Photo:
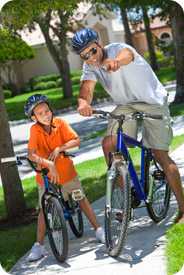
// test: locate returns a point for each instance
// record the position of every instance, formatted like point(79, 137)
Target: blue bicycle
point(57, 211)
point(125, 189)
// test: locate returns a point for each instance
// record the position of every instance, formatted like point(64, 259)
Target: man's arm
point(124, 57)
point(85, 97)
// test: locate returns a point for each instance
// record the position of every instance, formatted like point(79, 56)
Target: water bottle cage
point(158, 175)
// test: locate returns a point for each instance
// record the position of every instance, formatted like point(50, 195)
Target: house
point(109, 31)
point(43, 63)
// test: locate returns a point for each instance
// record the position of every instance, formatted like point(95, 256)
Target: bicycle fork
point(111, 173)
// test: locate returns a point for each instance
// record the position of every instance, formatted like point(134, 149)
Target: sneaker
point(100, 235)
point(36, 253)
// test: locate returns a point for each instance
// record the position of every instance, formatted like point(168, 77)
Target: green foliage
point(43, 78)
point(76, 80)
point(166, 74)
point(18, 13)
point(162, 59)
point(45, 85)
point(7, 93)
point(13, 48)
point(159, 55)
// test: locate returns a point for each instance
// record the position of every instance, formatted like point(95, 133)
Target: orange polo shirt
point(44, 143)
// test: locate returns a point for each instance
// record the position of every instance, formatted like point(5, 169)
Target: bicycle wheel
point(117, 213)
point(75, 219)
point(157, 190)
point(56, 227)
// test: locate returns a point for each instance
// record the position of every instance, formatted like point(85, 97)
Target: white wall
point(43, 63)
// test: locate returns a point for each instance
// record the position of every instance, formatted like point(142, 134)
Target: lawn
point(16, 241)
point(175, 248)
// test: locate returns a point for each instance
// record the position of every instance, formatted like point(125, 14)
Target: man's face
point(92, 55)
point(42, 114)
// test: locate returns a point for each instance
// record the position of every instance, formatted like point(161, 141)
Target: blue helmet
point(83, 38)
point(32, 102)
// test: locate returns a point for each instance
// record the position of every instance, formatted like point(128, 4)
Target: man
point(133, 86)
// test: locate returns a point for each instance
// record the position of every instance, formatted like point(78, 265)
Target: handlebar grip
point(67, 154)
point(154, 116)
point(100, 112)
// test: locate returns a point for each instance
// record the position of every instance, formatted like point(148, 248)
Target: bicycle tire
point(75, 220)
point(157, 190)
point(56, 227)
point(120, 200)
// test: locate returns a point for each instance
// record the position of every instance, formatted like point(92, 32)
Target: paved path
point(143, 253)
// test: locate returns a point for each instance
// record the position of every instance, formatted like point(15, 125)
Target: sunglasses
point(89, 54)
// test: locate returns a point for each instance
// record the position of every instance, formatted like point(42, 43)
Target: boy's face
point(42, 114)
point(92, 55)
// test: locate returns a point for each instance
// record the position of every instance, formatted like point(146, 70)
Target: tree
point(173, 11)
point(177, 23)
point(58, 50)
point(135, 5)
point(12, 188)
point(12, 52)
point(149, 36)
point(128, 35)
point(52, 17)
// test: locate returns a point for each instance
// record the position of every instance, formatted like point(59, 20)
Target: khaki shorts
point(71, 187)
point(156, 134)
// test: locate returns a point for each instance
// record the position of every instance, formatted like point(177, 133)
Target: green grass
point(174, 249)
point(16, 241)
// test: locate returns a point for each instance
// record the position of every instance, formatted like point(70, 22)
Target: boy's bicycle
point(125, 190)
point(56, 211)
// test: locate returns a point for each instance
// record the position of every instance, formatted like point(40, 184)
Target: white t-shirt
point(135, 82)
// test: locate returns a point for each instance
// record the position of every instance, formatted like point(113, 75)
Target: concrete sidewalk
point(143, 253)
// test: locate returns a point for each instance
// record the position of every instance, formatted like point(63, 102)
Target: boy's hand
point(55, 154)
point(54, 176)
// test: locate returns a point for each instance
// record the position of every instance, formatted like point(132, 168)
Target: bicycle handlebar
point(135, 115)
point(18, 160)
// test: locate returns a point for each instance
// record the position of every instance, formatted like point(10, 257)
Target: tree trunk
point(177, 22)
point(128, 35)
point(150, 42)
point(59, 55)
point(12, 188)
point(66, 80)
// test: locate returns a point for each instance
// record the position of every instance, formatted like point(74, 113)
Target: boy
point(48, 137)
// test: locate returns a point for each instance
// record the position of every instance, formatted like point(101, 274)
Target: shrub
point(7, 93)
point(163, 61)
point(42, 78)
point(76, 73)
point(59, 82)
point(45, 85)
point(76, 80)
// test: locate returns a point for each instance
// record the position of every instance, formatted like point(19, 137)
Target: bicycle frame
point(56, 193)
point(122, 140)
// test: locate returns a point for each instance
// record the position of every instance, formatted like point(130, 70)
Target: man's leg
point(173, 177)
point(108, 145)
